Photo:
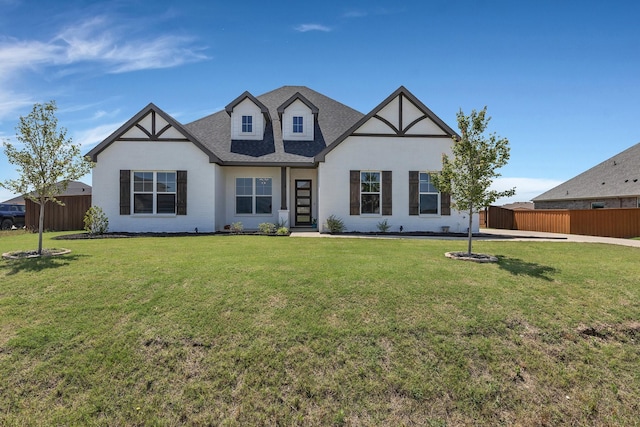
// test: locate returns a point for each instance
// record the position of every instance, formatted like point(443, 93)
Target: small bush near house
point(383, 226)
point(236, 227)
point(282, 231)
point(95, 221)
point(267, 228)
point(335, 224)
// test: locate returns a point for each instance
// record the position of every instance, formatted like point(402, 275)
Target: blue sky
point(561, 79)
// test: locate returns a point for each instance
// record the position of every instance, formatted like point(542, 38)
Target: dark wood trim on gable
point(381, 135)
point(401, 91)
point(134, 121)
point(413, 123)
point(146, 132)
point(388, 123)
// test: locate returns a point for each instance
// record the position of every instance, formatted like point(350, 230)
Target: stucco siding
point(156, 156)
point(297, 108)
point(250, 221)
point(247, 108)
point(398, 155)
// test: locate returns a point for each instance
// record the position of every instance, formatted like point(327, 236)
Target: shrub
point(383, 226)
point(282, 231)
point(236, 227)
point(95, 221)
point(267, 228)
point(335, 224)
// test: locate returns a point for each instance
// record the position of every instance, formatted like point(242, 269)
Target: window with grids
point(370, 192)
point(429, 195)
point(154, 192)
point(254, 195)
point(297, 124)
point(247, 124)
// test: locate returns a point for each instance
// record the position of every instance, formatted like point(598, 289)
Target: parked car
point(11, 215)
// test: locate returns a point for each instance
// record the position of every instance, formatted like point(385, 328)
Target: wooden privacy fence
point(623, 223)
point(59, 218)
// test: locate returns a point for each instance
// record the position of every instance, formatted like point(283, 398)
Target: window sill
point(171, 215)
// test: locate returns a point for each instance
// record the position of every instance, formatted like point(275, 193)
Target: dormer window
point(247, 124)
point(298, 118)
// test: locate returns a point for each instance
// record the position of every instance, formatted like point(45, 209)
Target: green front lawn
point(252, 330)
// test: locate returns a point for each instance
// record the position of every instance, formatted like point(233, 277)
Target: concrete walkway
point(496, 235)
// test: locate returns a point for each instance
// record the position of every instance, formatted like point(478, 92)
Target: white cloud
point(95, 43)
point(89, 138)
point(303, 28)
point(526, 188)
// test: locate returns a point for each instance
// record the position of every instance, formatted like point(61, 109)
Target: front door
point(303, 202)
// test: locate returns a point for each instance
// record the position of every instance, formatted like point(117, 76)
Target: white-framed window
point(429, 196)
point(597, 205)
point(298, 126)
point(247, 124)
point(254, 195)
point(154, 192)
point(370, 192)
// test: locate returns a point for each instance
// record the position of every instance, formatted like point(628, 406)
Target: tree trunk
point(40, 226)
point(470, 232)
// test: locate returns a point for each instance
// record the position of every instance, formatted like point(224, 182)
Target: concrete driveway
point(495, 234)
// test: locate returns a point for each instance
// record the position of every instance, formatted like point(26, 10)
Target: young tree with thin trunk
point(47, 160)
point(468, 175)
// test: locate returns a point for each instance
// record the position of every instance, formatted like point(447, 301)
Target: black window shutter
point(354, 193)
point(125, 192)
point(445, 204)
point(387, 196)
point(414, 194)
point(181, 193)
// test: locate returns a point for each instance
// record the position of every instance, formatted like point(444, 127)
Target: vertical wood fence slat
point(59, 218)
point(615, 222)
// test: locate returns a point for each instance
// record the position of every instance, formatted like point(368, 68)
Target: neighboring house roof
point(333, 119)
point(74, 188)
point(618, 176)
point(519, 206)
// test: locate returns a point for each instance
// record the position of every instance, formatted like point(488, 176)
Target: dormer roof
point(263, 109)
point(297, 96)
point(214, 131)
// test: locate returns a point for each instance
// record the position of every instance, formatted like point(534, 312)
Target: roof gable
point(150, 124)
point(333, 118)
point(401, 114)
point(618, 176)
point(297, 96)
point(246, 95)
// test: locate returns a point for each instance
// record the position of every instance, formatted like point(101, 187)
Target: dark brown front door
point(303, 202)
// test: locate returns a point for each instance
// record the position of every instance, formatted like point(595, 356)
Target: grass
point(251, 330)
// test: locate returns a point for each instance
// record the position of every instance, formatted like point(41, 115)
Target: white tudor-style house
point(290, 155)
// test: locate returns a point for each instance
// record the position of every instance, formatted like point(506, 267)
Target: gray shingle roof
point(618, 176)
point(334, 118)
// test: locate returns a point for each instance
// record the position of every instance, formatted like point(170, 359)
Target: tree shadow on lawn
point(519, 267)
point(16, 266)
